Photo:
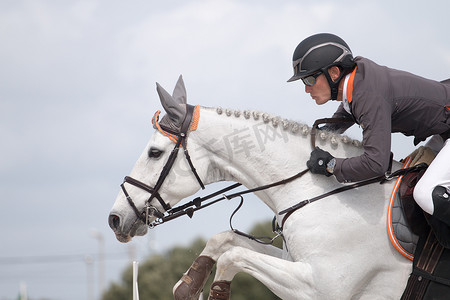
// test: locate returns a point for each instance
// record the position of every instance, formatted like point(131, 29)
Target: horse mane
point(291, 126)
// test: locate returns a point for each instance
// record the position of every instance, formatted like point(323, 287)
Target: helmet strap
point(334, 85)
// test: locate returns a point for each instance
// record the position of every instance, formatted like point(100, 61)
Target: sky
point(77, 93)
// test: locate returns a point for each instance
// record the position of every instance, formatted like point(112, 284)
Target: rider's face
point(320, 91)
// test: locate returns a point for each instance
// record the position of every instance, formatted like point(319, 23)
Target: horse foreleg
point(222, 242)
point(191, 284)
point(286, 279)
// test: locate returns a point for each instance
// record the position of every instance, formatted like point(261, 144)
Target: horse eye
point(154, 153)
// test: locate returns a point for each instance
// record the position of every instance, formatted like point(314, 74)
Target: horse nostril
point(114, 222)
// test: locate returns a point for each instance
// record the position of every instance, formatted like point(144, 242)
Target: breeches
point(438, 173)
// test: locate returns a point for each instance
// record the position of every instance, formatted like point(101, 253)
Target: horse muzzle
point(125, 231)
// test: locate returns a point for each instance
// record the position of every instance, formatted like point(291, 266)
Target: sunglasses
point(311, 79)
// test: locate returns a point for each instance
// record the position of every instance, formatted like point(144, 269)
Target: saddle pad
point(399, 232)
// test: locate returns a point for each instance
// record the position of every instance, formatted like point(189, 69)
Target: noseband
point(180, 139)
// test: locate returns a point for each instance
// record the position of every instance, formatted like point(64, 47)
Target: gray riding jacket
point(382, 101)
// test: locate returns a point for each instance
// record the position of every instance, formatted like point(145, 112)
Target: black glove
point(318, 161)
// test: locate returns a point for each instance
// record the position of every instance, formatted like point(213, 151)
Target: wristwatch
point(330, 165)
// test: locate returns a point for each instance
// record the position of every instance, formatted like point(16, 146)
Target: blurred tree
point(159, 273)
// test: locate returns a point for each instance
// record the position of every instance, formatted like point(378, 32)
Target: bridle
point(180, 139)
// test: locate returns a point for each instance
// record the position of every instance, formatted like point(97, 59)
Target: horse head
point(149, 190)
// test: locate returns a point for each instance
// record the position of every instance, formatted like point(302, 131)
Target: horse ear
point(179, 92)
point(175, 110)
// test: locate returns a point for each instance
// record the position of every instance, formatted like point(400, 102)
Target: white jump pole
point(135, 280)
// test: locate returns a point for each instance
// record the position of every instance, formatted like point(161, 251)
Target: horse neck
point(248, 150)
point(256, 149)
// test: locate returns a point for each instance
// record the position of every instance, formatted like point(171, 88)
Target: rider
point(381, 100)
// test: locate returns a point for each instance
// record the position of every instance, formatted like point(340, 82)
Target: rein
point(381, 179)
point(292, 209)
point(196, 204)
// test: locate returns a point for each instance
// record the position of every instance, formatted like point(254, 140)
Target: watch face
point(330, 165)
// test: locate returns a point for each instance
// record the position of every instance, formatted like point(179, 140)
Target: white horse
point(335, 248)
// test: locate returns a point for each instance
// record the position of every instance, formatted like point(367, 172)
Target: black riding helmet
point(320, 52)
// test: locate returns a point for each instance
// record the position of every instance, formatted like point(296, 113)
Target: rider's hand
point(319, 160)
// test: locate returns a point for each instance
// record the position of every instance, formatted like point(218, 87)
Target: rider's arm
point(373, 113)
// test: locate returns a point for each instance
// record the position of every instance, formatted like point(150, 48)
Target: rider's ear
point(334, 72)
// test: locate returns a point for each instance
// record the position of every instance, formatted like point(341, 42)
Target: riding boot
point(441, 202)
point(440, 220)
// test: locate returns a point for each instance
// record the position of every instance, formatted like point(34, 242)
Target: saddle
point(406, 221)
point(419, 237)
